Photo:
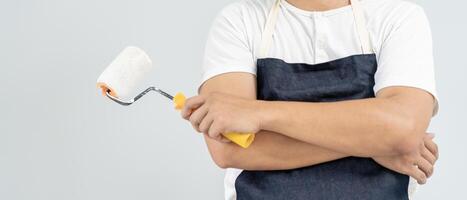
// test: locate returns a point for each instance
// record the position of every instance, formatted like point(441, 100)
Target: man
point(339, 94)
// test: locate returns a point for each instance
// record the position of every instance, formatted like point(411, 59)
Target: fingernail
point(432, 135)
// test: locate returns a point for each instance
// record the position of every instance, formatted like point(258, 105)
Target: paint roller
point(128, 69)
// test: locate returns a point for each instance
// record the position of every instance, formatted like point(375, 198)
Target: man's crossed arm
point(389, 128)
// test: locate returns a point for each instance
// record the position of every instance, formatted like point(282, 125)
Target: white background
point(59, 139)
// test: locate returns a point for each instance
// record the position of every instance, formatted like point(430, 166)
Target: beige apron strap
point(360, 23)
point(266, 37)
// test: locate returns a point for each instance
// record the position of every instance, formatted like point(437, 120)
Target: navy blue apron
point(342, 79)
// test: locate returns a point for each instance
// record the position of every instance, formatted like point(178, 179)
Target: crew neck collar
point(308, 13)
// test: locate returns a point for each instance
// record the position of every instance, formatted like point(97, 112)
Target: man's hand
point(418, 164)
point(220, 113)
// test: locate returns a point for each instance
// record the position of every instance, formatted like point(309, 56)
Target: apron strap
point(266, 37)
point(360, 22)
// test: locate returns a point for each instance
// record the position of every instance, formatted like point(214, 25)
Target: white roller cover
point(125, 72)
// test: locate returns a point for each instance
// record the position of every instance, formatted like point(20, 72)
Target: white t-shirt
point(399, 32)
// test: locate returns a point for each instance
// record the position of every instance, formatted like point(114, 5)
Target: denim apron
point(338, 80)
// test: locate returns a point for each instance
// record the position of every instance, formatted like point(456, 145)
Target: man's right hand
point(418, 164)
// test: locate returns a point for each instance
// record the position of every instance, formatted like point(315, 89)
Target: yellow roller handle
point(242, 139)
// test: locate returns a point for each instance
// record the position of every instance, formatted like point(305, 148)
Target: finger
point(225, 140)
point(418, 174)
point(432, 147)
point(191, 104)
point(206, 123)
point(218, 138)
point(425, 166)
point(197, 117)
point(215, 130)
point(427, 155)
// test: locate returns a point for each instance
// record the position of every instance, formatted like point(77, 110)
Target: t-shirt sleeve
point(227, 48)
point(406, 56)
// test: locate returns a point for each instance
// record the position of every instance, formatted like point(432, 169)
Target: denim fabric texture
point(349, 178)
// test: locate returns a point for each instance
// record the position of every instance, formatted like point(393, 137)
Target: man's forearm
point(270, 151)
point(368, 127)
